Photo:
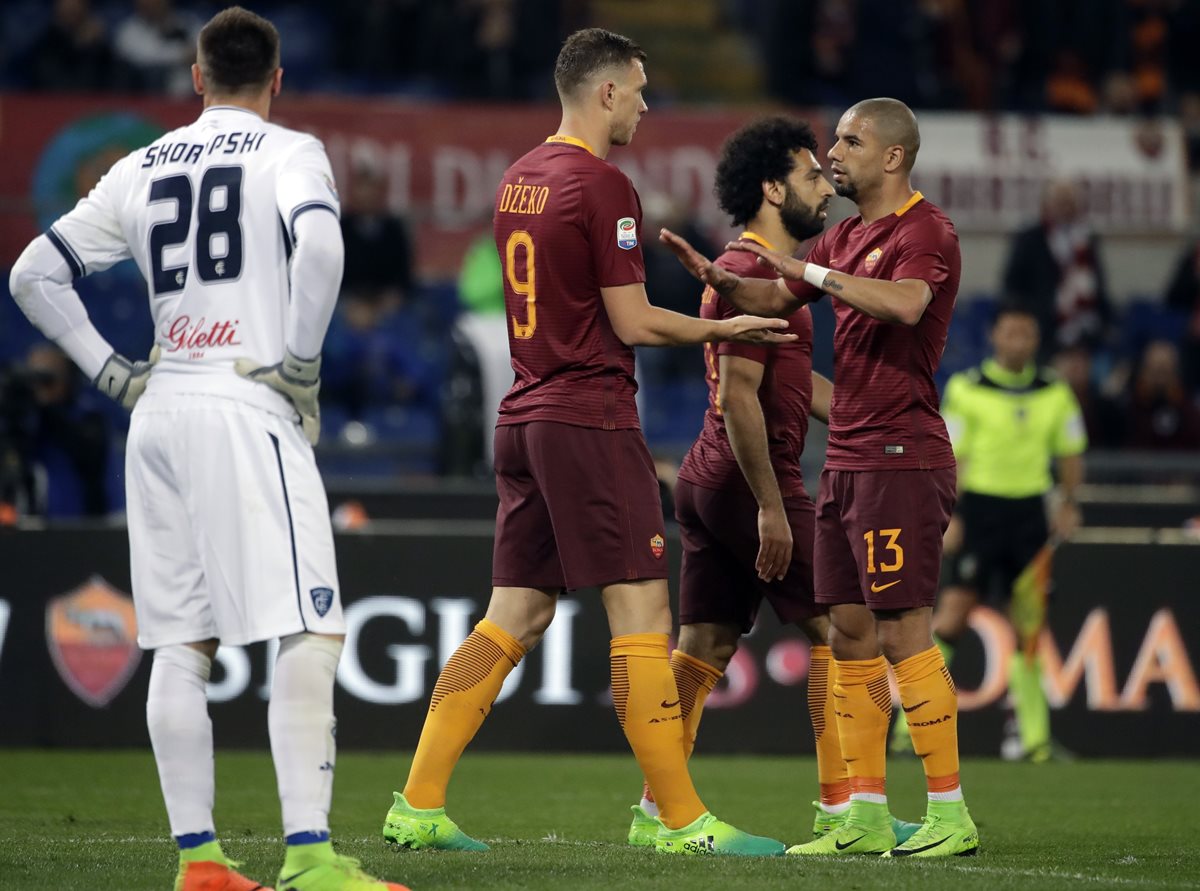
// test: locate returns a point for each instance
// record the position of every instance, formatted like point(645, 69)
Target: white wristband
point(815, 275)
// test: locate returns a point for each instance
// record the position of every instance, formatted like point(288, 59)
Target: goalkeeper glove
point(297, 379)
point(125, 381)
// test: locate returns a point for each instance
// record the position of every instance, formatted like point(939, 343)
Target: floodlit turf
point(94, 820)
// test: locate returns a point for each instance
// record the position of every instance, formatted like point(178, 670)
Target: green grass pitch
point(94, 820)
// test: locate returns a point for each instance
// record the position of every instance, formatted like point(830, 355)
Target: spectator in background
point(69, 439)
point(1054, 270)
point(1183, 295)
point(1160, 416)
point(73, 53)
point(374, 355)
point(378, 274)
point(159, 44)
point(1102, 415)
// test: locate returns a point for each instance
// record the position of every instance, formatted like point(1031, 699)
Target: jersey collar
point(571, 140)
point(910, 204)
point(757, 239)
point(1011, 379)
point(230, 108)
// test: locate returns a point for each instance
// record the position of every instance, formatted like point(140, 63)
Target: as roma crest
point(657, 546)
point(873, 258)
point(92, 636)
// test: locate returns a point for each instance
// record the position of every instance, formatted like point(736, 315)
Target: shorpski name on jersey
point(191, 152)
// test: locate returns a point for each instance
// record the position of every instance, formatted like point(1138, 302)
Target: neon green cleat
point(335, 873)
point(947, 831)
point(825, 822)
point(708, 835)
point(643, 831)
point(418, 828)
point(866, 829)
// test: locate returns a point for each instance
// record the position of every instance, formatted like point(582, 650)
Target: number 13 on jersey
point(526, 287)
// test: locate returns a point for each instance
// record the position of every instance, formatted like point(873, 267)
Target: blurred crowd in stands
point(418, 366)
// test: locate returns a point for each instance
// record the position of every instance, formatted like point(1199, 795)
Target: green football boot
point(418, 828)
point(708, 835)
point(825, 822)
point(327, 871)
point(643, 831)
point(866, 829)
point(946, 831)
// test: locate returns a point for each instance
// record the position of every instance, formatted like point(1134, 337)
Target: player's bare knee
point(710, 643)
point(816, 629)
point(904, 633)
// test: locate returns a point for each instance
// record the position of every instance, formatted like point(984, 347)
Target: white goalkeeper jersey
point(208, 213)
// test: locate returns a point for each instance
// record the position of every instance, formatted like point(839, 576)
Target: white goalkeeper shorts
point(229, 532)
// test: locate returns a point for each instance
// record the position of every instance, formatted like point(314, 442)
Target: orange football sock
point(931, 705)
point(694, 679)
point(863, 705)
point(647, 704)
point(462, 698)
point(831, 766)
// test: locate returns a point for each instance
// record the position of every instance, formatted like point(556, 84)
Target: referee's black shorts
point(1000, 537)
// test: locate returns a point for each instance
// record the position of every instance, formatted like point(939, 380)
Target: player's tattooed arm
point(902, 302)
point(757, 296)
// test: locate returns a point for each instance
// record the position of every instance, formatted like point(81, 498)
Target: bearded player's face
point(628, 105)
point(806, 198)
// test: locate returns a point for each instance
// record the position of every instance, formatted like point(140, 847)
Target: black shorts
point(1000, 537)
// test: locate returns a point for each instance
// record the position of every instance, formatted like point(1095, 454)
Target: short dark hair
point(588, 51)
point(1011, 306)
point(760, 151)
point(239, 51)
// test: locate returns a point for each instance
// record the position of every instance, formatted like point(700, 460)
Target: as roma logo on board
point(92, 636)
point(657, 547)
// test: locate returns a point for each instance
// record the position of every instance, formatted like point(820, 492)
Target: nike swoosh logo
point(842, 847)
point(876, 587)
point(283, 883)
point(915, 707)
point(665, 704)
point(926, 847)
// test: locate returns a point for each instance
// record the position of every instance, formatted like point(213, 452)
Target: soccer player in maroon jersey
point(579, 502)
point(746, 520)
point(889, 480)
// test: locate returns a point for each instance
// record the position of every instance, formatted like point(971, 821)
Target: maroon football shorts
point(879, 536)
point(579, 507)
point(718, 529)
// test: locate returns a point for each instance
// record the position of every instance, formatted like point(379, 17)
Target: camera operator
point(60, 435)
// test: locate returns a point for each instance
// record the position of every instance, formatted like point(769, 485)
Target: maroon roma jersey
point(884, 414)
point(567, 224)
point(785, 392)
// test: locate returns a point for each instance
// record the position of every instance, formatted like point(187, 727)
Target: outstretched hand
point(788, 267)
point(756, 329)
point(720, 280)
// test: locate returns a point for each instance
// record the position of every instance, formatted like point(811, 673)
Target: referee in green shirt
point(1009, 421)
